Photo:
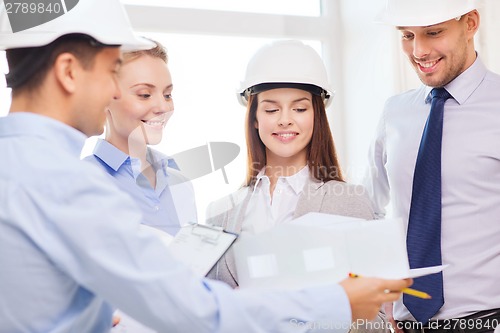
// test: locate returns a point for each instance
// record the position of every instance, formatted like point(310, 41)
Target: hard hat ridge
point(287, 63)
point(105, 21)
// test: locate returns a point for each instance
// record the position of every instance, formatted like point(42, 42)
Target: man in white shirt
point(437, 36)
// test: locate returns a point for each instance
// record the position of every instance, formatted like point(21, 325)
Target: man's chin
point(96, 132)
point(430, 81)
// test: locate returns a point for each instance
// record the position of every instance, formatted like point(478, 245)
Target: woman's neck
point(133, 148)
point(136, 149)
point(147, 169)
point(278, 167)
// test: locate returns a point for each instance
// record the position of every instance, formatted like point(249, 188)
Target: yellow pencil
point(409, 291)
point(416, 293)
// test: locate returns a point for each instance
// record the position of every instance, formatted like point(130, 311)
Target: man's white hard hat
point(103, 20)
point(282, 63)
point(420, 13)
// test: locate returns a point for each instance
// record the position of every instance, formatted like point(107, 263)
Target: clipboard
point(200, 246)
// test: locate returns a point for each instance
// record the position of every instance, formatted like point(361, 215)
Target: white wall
point(370, 75)
point(488, 41)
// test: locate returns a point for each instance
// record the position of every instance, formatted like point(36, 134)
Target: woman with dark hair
point(292, 163)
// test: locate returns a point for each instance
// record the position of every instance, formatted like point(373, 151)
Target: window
point(4, 92)
point(280, 7)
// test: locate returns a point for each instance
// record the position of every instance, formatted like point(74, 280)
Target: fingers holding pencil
point(366, 295)
point(394, 288)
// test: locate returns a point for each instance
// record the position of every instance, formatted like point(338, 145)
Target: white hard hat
point(103, 20)
point(282, 63)
point(411, 13)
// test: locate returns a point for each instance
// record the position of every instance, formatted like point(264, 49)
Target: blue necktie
point(423, 239)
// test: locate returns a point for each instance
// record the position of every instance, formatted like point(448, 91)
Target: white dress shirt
point(263, 211)
point(470, 241)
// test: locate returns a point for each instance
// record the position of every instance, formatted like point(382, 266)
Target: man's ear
point(67, 69)
point(472, 19)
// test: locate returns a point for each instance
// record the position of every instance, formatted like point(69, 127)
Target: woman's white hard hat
point(283, 62)
point(420, 13)
point(103, 20)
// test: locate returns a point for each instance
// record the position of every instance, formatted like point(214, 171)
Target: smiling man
point(436, 158)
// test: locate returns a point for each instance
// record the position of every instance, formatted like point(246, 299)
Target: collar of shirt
point(462, 87)
point(262, 212)
point(115, 158)
point(46, 128)
point(296, 181)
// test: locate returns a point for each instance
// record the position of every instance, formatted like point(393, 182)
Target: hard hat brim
point(420, 16)
point(40, 38)
point(327, 95)
point(88, 17)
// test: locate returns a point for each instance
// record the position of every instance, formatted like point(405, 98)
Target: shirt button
point(156, 208)
point(279, 191)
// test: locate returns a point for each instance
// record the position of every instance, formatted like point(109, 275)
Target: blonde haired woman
point(134, 121)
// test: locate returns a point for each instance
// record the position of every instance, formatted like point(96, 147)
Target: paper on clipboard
point(196, 245)
point(200, 246)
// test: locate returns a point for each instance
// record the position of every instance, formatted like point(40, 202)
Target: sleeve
point(337, 198)
point(362, 206)
point(221, 212)
point(218, 214)
point(376, 181)
point(215, 216)
point(90, 231)
point(215, 220)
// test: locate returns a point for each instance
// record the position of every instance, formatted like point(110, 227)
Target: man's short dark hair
point(28, 67)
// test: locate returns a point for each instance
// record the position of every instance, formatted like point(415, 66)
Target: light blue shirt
point(168, 206)
point(470, 162)
point(70, 246)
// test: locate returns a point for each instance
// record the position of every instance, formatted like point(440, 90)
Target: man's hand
point(367, 295)
point(116, 320)
point(388, 309)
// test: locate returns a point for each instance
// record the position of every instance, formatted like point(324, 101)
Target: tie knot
point(440, 93)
